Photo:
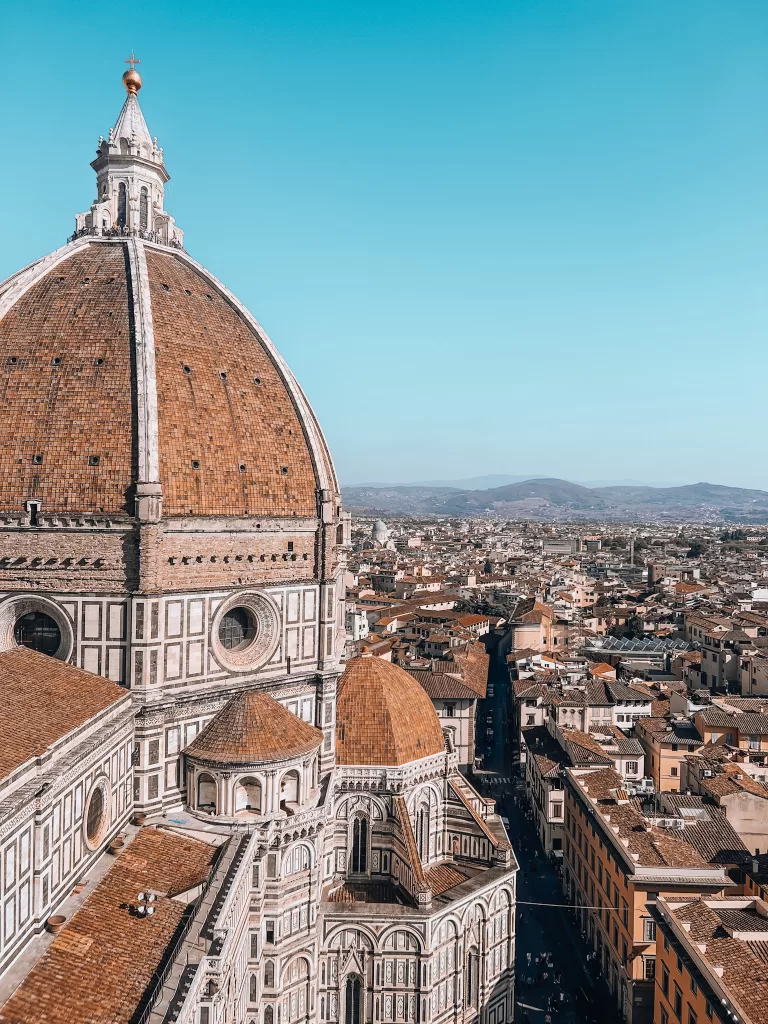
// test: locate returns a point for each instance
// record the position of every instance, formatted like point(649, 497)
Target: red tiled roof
point(42, 700)
point(98, 968)
point(254, 727)
point(383, 716)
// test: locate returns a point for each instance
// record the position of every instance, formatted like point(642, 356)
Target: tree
point(632, 629)
point(696, 549)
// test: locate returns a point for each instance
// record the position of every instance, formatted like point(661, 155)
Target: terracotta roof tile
point(383, 716)
point(442, 877)
point(251, 728)
point(68, 411)
point(98, 968)
point(743, 968)
point(221, 421)
point(42, 700)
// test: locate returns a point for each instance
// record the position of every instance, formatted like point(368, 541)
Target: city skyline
point(489, 227)
point(482, 750)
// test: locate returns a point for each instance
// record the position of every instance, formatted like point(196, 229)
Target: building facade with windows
point(619, 857)
point(711, 961)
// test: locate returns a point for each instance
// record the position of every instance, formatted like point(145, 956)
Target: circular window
point(245, 631)
point(39, 632)
point(36, 623)
point(96, 814)
point(237, 629)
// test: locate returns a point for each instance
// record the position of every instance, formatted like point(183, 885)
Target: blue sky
point(520, 237)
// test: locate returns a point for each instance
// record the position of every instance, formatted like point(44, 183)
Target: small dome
point(383, 716)
point(379, 525)
point(251, 729)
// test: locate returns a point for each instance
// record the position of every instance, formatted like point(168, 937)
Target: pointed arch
point(360, 844)
point(122, 205)
point(353, 999)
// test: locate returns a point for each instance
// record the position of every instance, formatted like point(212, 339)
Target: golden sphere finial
point(132, 78)
point(132, 81)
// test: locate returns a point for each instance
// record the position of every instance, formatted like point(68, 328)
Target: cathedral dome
point(253, 728)
point(129, 369)
point(383, 716)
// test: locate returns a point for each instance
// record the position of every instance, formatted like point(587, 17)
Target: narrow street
point(544, 925)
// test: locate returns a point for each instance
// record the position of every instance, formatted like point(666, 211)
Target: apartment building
point(738, 789)
point(619, 859)
point(545, 761)
point(666, 741)
point(745, 730)
point(721, 657)
point(754, 674)
point(711, 960)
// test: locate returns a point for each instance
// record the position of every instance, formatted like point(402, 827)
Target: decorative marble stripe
point(146, 382)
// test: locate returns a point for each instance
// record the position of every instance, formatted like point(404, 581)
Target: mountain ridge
point(550, 498)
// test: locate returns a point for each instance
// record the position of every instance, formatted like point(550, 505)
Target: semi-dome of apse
point(383, 716)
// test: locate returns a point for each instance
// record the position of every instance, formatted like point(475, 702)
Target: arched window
point(269, 1015)
point(289, 789)
point(248, 796)
point(206, 793)
point(297, 860)
point(143, 210)
point(269, 974)
point(360, 846)
point(122, 205)
point(422, 833)
point(352, 994)
point(473, 977)
point(253, 993)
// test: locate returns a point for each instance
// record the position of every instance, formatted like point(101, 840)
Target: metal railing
point(158, 979)
point(124, 232)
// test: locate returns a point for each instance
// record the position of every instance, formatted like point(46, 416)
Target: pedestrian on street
point(528, 957)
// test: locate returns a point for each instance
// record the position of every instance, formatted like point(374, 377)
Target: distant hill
point(477, 483)
point(552, 499)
